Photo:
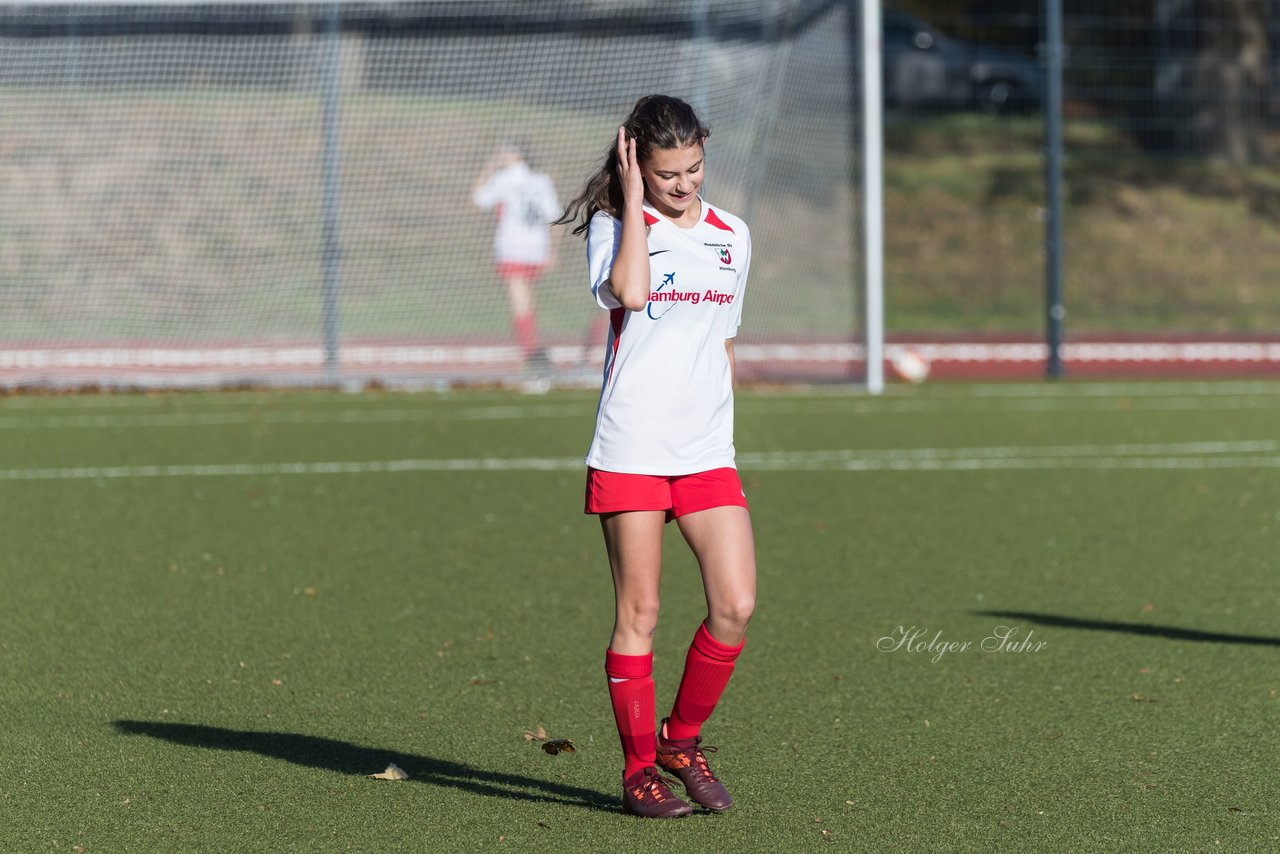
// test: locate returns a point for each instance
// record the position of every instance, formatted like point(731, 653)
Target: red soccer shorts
point(679, 495)
point(508, 270)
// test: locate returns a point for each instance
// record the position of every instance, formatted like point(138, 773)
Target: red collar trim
point(712, 219)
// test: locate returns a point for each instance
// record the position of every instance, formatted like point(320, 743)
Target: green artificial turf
point(213, 659)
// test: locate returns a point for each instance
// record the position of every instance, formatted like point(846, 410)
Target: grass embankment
point(1150, 244)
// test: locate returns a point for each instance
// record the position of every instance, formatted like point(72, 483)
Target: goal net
point(283, 193)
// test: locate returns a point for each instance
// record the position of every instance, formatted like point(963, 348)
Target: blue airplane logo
point(668, 279)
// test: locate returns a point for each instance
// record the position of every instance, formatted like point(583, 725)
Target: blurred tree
point(1182, 76)
point(1229, 80)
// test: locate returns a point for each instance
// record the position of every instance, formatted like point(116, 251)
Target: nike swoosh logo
point(658, 252)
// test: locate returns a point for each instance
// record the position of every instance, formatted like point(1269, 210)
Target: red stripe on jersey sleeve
point(649, 219)
point(616, 316)
point(712, 219)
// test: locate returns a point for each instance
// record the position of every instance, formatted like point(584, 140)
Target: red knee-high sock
point(631, 691)
point(707, 669)
point(526, 327)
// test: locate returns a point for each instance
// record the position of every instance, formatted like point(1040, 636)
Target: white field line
point(1123, 389)
point(29, 419)
point(1056, 392)
point(1028, 464)
point(1184, 455)
point(1006, 452)
point(891, 405)
point(335, 416)
point(266, 469)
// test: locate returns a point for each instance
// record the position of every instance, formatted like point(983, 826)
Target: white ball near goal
point(909, 365)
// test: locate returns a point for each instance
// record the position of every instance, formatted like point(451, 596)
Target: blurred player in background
point(525, 202)
point(671, 269)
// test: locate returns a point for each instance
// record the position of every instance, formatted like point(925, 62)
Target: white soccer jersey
point(666, 404)
point(526, 204)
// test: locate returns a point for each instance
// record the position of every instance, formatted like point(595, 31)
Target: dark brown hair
point(656, 122)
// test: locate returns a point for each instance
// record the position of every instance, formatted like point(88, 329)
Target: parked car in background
point(925, 69)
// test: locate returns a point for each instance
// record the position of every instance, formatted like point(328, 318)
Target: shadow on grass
point(1171, 632)
point(347, 758)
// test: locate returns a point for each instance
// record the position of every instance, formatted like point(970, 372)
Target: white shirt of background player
point(526, 203)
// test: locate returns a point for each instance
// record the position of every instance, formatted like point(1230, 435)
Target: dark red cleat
point(646, 794)
point(688, 761)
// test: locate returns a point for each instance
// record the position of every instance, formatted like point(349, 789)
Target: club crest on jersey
point(725, 257)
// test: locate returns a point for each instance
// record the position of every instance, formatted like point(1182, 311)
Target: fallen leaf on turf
point(393, 772)
point(558, 745)
point(553, 746)
point(1138, 698)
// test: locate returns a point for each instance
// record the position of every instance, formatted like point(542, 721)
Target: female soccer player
point(671, 269)
point(525, 201)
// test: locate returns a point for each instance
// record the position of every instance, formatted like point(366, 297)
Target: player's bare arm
point(629, 280)
point(733, 362)
point(495, 163)
point(485, 174)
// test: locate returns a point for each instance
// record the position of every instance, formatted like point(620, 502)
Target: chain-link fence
point(1172, 195)
point(282, 192)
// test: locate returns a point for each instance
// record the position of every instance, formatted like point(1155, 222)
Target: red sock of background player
point(707, 669)
point(631, 692)
point(526, 327)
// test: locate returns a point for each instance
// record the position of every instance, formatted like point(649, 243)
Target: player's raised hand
point(629, 168)
point(629, 278)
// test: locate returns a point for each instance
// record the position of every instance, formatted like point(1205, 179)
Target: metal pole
point(777, 75)
point(73, 34)
point(872, 191)
point(331, 238)
point(1055, 311)
point(701, 43)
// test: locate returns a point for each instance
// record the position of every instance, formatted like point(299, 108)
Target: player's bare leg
point(634, 543)
point(520, 295)
point(721, 539)
point(523, 319)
